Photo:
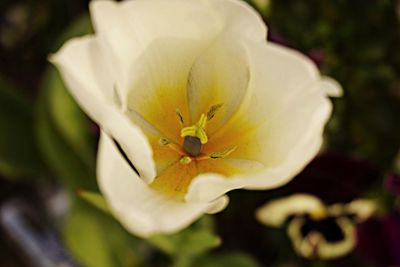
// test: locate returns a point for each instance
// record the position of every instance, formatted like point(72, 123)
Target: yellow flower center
point(192, 156)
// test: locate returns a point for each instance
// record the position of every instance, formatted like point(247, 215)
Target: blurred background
point(48, 147)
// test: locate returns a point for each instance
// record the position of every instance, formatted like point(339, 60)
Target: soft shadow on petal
point(219, 76)
point(158, 85)
point(126, 29)
point(240, 19)
point(141, 209)
point(80, 66)
point(280, 125)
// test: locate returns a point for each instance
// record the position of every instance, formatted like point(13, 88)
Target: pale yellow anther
point(180, 117)
point(163, 141)
point(222, 154)
point(167, 143)
point(197, 130)
point(185, 160)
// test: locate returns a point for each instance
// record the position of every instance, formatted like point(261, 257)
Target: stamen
point(163, 141)
point(171, 145)
point(185, 160)
point(222, 154)
point(212, 111)
point(197, 130)
point(217, 155)
point(180, 117)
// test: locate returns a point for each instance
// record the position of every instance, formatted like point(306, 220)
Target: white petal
point(158, 83)
point(219, 205)
point(276, 212)
point(127, 28)
point(286, 109)
point(142, 210)
point(240, 19)
point(80, 65)
point(332, 87)
point(278, 76)
point(207, 187)
point(220, 75)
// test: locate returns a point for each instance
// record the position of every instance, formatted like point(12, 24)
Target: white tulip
point(197, 100)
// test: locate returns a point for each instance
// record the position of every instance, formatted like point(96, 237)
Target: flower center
point(194, 138)
point(179, 161)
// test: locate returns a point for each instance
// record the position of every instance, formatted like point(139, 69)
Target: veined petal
point(276, 212)
point(142, 210)
point(279, 123)
point(86, 85)
point(126, 29)
point(240, 20)
point(219, 76)
point(157, 89)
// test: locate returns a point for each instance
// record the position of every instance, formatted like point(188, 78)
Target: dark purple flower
point(335, 178)
point(317, 56)
point(379, 240)
point(392, 183)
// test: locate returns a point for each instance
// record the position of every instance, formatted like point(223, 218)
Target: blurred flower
point(392, 183)
point(379, 240)
point(191, 102)
point(335, 177)
point(315, 229)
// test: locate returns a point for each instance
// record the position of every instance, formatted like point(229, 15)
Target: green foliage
point(231, 259)
point(62, 128)
point(184, 247)
point(358, 45)
point(96, 200)
point(68, 147)
point(58, 153)
point(19, 155)
point(99, 241)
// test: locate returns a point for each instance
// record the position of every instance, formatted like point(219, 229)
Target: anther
point(211, 112)
point(185, 160)
point(167, 143)
point(163, 141)
point(180, 117)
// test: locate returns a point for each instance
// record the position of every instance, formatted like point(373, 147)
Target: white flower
point(315, 229)
point(190, 93)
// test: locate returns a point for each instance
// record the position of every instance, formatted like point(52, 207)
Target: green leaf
point(96, 240)
point(72, 123)
point(19, 155)
point(231, 259)
point(63, 131)
point(96, 200)
point(189, 243)
point(74, 173)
